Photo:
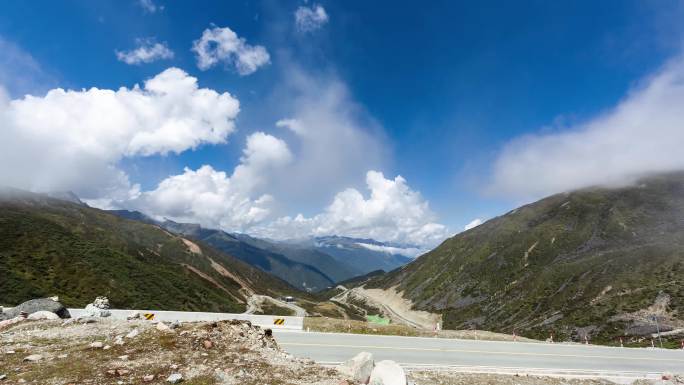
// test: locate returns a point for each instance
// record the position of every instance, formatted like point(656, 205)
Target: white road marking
point(482, 351)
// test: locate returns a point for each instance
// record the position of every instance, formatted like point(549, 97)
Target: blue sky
point(437, 91)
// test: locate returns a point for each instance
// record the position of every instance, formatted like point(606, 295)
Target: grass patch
point(273, 309)
point(333, 325)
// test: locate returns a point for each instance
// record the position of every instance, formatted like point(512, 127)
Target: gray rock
point(99, 308)
point(162, 327)
point(358, 368)
point(134, 315)
point(97, 345)
point(94, 311)
point(35, 305)
point(387, 373)
point(42, 314)
point(133, 333)
point(2, 376)
point(101, 303)
point(33, 358)
point(175, 378)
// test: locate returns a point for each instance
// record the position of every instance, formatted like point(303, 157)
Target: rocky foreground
point(105, 351)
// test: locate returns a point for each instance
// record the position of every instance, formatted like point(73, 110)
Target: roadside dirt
point(396, 307)
point(255, 301)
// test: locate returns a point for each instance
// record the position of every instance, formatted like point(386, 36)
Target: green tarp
point(376, 319)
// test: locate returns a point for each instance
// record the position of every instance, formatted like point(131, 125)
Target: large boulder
point(36, 305)
point(358, 368)
point(387, 373)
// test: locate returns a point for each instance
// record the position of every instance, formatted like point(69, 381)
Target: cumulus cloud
point(642, 134)
point(214, 199)
point(392, 212)
point(292, 124)
point(73, 140)
point(474, 223)
point(147, 51)
point(222, 45)
point(311, 18)
point(150, 7)
point(334, 140)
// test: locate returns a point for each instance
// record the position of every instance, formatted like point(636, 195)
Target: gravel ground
point(127, 352)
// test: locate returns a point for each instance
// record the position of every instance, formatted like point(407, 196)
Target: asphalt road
point(535, 357)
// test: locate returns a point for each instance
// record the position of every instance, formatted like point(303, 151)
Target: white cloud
point(147, 51)
point(292, 124)
point(216, 200)
point(405, 251)
point(150, 6)
point(392, 212)
point(334, 140)
point(474, 223)
point(311, 18)
point(642, 134)
point(73, 140)
point(222, 45)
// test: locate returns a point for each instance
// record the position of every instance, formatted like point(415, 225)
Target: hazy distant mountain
point(365, 255)
point(335, 269)
point(311, 264)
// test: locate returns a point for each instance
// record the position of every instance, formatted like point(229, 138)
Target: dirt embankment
point(256, 301)
point(393, 305)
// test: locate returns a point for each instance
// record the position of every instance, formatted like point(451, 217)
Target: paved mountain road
point(526, 357)
point(255, 301)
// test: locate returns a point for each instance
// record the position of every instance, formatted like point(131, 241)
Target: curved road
point(255, 300)
point(540, 358)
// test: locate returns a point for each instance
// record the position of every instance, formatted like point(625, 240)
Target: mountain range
point(309, 264)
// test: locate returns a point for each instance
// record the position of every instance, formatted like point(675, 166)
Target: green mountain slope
point(55, 247)
point(596, 262)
